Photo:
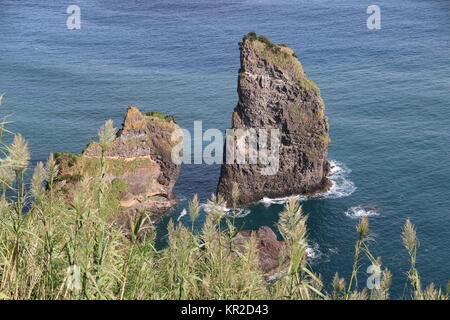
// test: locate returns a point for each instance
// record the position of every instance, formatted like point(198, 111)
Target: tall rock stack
point(275, 93)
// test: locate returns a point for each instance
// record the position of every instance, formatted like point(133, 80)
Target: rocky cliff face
point(274, 93)
point(138, 165)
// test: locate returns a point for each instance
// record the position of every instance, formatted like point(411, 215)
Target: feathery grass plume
point(208, 234)
point(139, 270)
point(3, 123)
point(52, 169)
point(411, 243)
point(386, 283)
point(359, 295)
point(4, 207)
point(291, 220)
point(363, 227)
point(194, 209)
point(82, 201)
point(338, 286)
point(7, 177)
point(3, 130)
point(250, 273)
point(18, 157)
point(216, 208)
point(431, 293)
point(106, 135)
point(409, 237)
point(382, 292)
point(182, 259)
point(360, 246)
point(227, 271)
point(235, 193)
point(301, 283)
point(39, 176)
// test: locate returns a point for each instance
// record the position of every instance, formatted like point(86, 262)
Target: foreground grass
point(60, 248)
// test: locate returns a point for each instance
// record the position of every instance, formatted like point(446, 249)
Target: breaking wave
point(341, 186)
point(312, 251)
point(361, 211)
point(182, 214)
point(269, 201)
point(237, 213)
point(231, 213)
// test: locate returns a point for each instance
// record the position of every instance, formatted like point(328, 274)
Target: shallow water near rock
point(386, 93)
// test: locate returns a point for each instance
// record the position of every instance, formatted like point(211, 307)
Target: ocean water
point(386, 91)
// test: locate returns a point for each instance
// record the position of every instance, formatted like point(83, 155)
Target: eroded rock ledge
point(138, 165)
point(275, 93)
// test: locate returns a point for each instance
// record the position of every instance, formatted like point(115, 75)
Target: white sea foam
point(341, 186)
point(209, 207)
point(182, 214)
point(231, 213)
point(237, 213)
point(312, 251)
point(269, 201)
point(361, 211)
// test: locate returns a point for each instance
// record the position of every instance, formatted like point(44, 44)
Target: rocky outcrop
point(271, 253)
point(275, 93)
point(138, 165)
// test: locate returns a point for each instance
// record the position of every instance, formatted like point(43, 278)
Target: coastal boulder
point(270, 250)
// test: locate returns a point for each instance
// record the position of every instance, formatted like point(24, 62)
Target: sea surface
point(387, 94)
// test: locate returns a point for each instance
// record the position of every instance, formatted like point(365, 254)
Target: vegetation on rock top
point(160, 115)
point(282, 57)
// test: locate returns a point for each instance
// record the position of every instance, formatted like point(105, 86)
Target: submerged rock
point(138, 165)
point(275, 93)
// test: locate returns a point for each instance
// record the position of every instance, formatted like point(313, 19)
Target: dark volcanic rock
point(270, 250)
point(138, 165)
point(274, 93)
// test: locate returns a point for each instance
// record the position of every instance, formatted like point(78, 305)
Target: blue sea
point(387, 94)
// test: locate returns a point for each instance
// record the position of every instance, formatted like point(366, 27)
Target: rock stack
point(275, 93)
